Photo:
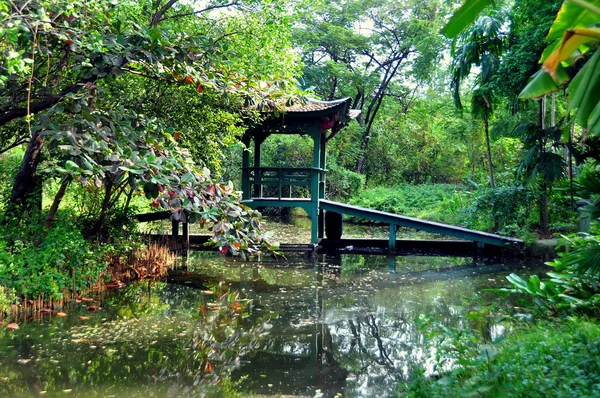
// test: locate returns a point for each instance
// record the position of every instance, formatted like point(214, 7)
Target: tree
point(68, 65)
point(480, 45)
point(56, 49)
point(368, 51)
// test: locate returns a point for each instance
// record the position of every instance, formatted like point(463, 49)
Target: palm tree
point(481, 45)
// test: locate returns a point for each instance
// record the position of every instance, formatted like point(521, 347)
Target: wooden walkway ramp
point(395, 221)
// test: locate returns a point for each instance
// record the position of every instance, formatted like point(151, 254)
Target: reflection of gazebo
point(321, 120)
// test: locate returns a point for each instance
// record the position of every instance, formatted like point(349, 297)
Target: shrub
point(546, 360)
point(343, 183)
point(38, 263)
point(436, 202)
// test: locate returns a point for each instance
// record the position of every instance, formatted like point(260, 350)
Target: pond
point(336, 325)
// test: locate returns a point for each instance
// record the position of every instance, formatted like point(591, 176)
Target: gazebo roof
point(312, 108)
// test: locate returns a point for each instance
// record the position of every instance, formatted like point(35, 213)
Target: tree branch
point(37, 107)
point(187, 14)
point(14, 145)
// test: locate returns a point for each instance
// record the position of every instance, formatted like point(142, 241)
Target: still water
point(336, 325)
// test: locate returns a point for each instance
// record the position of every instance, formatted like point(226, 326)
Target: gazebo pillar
point(257, 160)
point(315, 187)
point(322, 166)
point(245, 165)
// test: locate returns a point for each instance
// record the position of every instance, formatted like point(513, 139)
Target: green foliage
point(504, 209)
point(464, 16)
point(549, 359)
point(39, 263)
point(9, 164)
point(435, 202)
point(531, 20)
point(582, 255)
point(342, 183)
point(6, 299)
point(573, 33)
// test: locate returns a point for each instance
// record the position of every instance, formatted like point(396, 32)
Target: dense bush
point(45, 263)
point(503, 209)
point(342, 183)
point(9, 164)
point(546, 360)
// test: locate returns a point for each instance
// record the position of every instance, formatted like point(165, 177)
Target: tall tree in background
point(480, 45)
point(368, 50)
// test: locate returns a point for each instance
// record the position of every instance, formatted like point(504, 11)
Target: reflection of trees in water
point(152, 342)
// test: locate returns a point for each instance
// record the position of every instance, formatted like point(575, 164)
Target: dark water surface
point(345, 325)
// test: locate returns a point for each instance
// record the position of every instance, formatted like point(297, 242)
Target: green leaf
point(585, 94)
point(187, 177)
point(541, 83)
point(594, 121)
point(71, 165)
point(464, 16)
point(571, 16)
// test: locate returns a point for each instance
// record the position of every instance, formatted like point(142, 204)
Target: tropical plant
point(480, 45)
point(542, 163)
point(573, 34)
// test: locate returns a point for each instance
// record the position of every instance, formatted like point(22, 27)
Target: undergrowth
point(548, 359)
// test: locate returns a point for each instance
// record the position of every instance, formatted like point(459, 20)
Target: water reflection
point(346, 324)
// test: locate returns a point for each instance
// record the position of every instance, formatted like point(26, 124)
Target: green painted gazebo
point(321, 120)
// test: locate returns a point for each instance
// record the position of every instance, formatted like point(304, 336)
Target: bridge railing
point(273, 182)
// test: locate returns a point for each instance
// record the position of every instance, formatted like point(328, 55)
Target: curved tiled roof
point(316, 106)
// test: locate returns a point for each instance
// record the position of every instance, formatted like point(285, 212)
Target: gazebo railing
point(282, 177)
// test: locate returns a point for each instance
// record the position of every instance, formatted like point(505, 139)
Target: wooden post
point(257, 160)
point(185, 232)
point(392, 241)
point(245, 165)
point(314, 186)
point(174, 230)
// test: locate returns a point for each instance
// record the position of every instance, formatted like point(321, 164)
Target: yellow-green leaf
point(572, 40)
point(572, 16)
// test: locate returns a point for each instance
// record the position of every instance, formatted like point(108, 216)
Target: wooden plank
point(422, 225)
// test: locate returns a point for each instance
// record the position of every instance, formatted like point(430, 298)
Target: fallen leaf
point(12, 326)
point(84, 318)
point(61, 314)
point(45, 311)
point(93, 308)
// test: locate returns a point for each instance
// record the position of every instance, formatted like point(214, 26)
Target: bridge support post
point(392, 241)
point(174, 230)
point(185, 232)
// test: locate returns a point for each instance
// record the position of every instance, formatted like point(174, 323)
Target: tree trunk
point(57, 199)
point(544, 216)
point(26, 192)
point(105, 205)
point(489, 148)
